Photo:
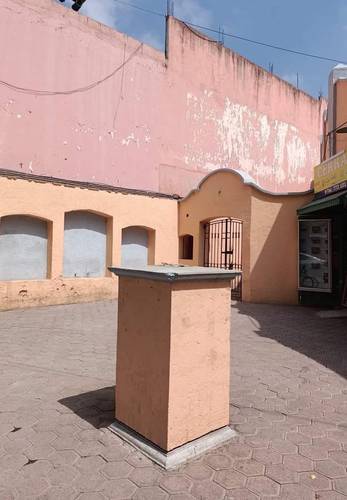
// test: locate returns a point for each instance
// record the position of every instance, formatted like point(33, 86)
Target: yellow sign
point(331, 175)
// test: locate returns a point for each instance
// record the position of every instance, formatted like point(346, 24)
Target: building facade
point(100, 135)
point(81, 101)
point(323, 222)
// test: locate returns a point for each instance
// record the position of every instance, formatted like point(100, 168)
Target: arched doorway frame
point(222, 248)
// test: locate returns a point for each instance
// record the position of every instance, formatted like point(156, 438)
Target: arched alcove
point(23, 248)
point(137, 246)
point(85, 245)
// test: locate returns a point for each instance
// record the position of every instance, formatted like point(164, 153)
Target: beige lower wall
point(269, 247)
point(51, 201)
point(32, 293)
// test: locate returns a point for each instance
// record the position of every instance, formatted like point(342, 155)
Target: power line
point(237, 37)
point(256, 42)
point(24, 90)
point(142, 9)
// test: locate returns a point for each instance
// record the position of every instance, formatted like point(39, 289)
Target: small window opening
point(186, 247)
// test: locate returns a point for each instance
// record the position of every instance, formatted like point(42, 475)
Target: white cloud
point(104, 11)
point(192, 11)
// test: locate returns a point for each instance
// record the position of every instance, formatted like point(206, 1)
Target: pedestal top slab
point(168, 272)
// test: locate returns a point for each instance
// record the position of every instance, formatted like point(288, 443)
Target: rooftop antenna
point(220, 35)
point(170, 8)
point(297, 80)
point(271, 68)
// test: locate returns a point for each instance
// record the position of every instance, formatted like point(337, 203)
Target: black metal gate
point(223, 249)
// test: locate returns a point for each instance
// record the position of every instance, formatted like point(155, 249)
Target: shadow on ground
point(321, 339)
point(96, 407)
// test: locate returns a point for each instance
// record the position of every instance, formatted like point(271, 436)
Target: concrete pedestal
point(173, 360)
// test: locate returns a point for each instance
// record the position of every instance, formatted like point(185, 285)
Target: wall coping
point(14, 174)
point(247, 181)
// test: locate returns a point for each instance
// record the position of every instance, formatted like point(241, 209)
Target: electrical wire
point(256, 42)
point(24, 90)
point(237, 37)
point(142, 9)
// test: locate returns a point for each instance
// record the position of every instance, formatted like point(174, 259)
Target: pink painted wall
point(160, 124)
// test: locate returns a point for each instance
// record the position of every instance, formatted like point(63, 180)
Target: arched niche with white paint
point(137, 246)
point(23, 248)
point(85, 245)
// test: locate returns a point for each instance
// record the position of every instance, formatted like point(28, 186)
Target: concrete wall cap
point(168, 272)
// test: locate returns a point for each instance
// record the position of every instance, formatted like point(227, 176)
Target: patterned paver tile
point(297, 463)
point(119, 488)
point(313, 452)
point(145, 476)
point(175, 483)
point(281, 474)
point(241, 494)
point(329, 468)
point(267, 456)
point(63, 475)
point(339, 456)
point(114, 453)
point(219, 461)
point(117, 470)
point(314, 480)
point(327, 443)
point(238, 450)
point(89, 482)
point(59, 493)
point(90, 464)
point(263, 486)
point(207, 490)
point(198, 471)
point(288, 402)
point(31, 487)
point(249, 467)
point(230, 479)
point(296, 492)
point(150, 493)
point(341, 485)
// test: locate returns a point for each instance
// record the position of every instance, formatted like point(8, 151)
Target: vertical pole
point(226, 244)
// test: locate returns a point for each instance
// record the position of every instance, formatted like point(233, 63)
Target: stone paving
point(289, 406)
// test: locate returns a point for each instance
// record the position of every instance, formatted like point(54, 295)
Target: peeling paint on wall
point(204, 107)
point(240, 137)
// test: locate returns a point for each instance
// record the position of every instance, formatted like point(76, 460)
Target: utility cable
point(256, 42)
point(24, 90)
point(142, 9)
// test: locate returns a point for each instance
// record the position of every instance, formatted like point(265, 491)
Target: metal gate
point(223, 249)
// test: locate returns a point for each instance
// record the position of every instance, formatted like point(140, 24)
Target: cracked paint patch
point(272, 151)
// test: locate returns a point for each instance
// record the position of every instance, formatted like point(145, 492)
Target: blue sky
point(315, 26)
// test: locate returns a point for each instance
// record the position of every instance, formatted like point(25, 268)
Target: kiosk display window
point(314, 255)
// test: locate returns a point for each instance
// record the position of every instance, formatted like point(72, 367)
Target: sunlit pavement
point(289, 406)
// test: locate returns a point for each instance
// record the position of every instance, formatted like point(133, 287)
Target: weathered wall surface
point(269, 245)
point(50, 202)
point(340, 112)
point(154, 124)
